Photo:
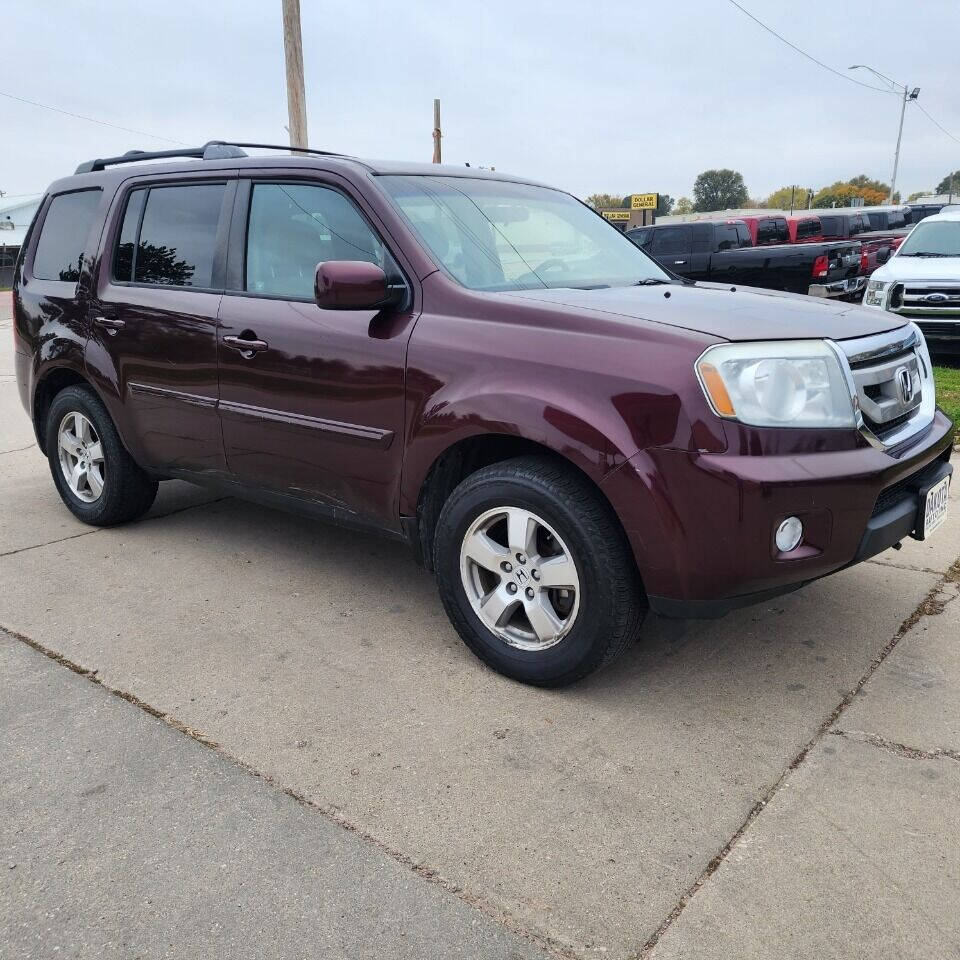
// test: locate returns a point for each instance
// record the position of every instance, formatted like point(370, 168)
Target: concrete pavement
point(603, 820)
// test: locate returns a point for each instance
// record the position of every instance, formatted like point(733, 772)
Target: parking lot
point(225, 725)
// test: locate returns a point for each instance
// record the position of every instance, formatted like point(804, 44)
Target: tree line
point(726, 190)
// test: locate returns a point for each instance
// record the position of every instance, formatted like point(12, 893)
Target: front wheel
point(535, 572)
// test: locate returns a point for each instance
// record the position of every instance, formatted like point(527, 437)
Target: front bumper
point(702, 526)
point(849, 287)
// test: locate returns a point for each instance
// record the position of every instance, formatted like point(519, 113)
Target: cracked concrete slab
point(121, 837)
point(915, 699)
point(857, 856)
point(323, 658)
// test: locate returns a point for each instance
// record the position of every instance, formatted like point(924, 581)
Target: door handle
point(247, 347)
point(112, 324)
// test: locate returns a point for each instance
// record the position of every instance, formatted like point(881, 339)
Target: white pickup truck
point(922, 281)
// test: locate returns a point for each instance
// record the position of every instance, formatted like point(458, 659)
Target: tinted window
point(702, 237)
point(178, 238)
point(808, 228)
point(670, 240)
point(64, 235)
point(831, 226)
point(725, 237)
point(743, 232)
point(766, 232)
point(293, 227)
point(859, 224)
point(782, 231)
point(641, 237)
point(896, 220)
point(123, 258)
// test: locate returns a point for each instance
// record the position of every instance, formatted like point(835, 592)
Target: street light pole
point(907, 94)
point(293, 56)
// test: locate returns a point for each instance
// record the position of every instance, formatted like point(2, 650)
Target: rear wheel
point(535, 572)
point(94, 475)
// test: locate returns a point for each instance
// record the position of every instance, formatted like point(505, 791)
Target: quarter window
point(63, 237)
point(293, 227)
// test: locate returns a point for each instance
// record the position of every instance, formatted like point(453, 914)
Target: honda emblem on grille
point(904, 384)
point(936, 297)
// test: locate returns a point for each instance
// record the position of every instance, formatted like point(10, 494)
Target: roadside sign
point(616, 214)
point(644, 201)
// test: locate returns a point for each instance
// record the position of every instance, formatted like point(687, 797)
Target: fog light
point(789, 534)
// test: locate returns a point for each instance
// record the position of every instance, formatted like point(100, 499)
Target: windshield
point(497, 235)
point(933, 239)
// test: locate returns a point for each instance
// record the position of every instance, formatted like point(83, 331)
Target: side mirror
point(352, 285)
point(883, 255)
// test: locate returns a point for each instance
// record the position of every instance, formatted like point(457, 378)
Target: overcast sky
point(604, 96)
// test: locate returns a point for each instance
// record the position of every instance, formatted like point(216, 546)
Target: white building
point(15, 217)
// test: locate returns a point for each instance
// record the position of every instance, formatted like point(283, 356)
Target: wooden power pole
point(293, 54)
point(436, 131)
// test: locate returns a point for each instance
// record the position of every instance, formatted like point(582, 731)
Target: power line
point(937, 125)
point(804, 53)
point(80, 116)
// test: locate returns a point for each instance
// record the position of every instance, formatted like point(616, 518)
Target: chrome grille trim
point(930, 298)
point(875, 363)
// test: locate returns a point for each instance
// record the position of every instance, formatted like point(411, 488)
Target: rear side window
point(726, 237)
point(830, 226)
point(743, 232)
point(669, 240)
point(766, 232)
point(293, 227)
point(782, 230)
point(64, 234)
point(808, 228)
point(169, 236)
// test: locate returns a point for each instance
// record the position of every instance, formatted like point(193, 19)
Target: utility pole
point(436, 131)
point(907, 94)
point(293, 55)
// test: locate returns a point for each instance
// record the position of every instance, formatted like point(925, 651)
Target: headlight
point(796, 383)
point(876, 295)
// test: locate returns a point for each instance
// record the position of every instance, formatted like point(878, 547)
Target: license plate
point(935, 506)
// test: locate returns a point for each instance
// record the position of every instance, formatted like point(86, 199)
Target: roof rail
point(211, 150)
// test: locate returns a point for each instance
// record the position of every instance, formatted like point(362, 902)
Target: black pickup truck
point(723, 252)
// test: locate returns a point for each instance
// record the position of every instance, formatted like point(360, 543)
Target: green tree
point(719, 190)
point(949, 184)
point(919, 193)
point(780, 199)
point(683, 205)
point(664, 205)
point(605, 201)
point(843, 192)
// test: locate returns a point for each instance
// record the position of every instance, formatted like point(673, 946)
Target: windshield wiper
point(927, 253)
point(650, 282)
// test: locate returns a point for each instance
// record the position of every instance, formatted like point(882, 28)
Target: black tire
point(127, 491)
point(612, 604)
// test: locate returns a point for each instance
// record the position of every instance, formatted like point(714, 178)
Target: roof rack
point(212, 150)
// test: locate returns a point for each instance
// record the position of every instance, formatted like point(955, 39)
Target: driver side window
point(292, 227)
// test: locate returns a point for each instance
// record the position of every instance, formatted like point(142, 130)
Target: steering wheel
point(554, 263)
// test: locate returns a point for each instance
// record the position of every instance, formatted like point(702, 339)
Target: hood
point(743, 313)
point(919, 268)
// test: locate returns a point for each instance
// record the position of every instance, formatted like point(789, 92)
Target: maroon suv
point(564, 432)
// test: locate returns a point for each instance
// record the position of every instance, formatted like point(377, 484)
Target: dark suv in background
point(480, 366)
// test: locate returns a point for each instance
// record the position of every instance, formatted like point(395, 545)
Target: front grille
point(908, 486)
point(889, 378)
point(931, 299)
